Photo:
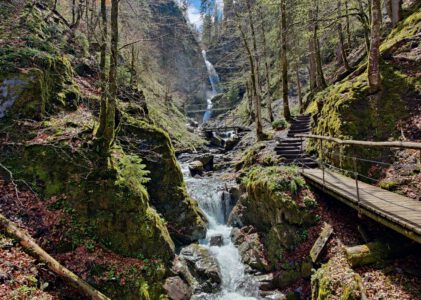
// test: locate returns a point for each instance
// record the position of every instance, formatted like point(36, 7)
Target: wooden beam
point(392, 144)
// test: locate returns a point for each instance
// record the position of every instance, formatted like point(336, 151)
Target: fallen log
point(368, 253)
point(29, 245)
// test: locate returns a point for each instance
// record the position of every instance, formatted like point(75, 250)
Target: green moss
point(346, 110)
point(167, 189)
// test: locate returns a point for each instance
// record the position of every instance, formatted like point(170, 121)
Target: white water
point(236, 284)
point(214, 81)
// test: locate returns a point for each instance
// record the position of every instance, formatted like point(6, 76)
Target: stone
point(196, 168)
point(251, 249)
point(273, 295)
point(231, 142)
point(207, 160)
point(216, 141)
point(265, 281)
point(203, 267)
point(216, 240)
point(177, 289)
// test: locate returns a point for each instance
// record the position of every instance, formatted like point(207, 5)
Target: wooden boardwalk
point(392, 210)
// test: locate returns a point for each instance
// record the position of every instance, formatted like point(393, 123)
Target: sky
point(193, 12)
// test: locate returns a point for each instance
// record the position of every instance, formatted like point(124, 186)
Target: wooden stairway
point(290, 148)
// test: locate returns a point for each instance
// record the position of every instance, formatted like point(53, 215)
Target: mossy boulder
point(167, 190)
point(272, 197)
point(336, 280)
point(35, 76)
point(32, 93)
point(111, 206)
point(278, 203)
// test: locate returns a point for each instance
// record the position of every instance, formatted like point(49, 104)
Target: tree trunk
point(29, 245)
point(300, 96)
point(255, 52)
point(374, 78)
point(365, 23)
point(394, 10)
point(102, 66)
point(341, 38)
point(250, 100)
point(266, 54)
point(348, 27)
point(312, 54)
point(111, 109)
point(320, 79)
point(284, 62)
point(255, 94)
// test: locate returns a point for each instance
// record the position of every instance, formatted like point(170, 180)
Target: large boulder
point(32, 93)
point(185, 220)
point(203, 267)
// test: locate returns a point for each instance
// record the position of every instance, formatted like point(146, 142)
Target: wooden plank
point(321, 241)
point(405, 213)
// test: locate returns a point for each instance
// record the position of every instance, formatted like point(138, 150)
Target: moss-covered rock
point(273, 195)
point(336, 280)
point(113, 207)
point(36, 77)
point(278, 203)
point(167, 190)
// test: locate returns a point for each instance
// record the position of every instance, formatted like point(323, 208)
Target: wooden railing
point(391, 144)
point(354, 173)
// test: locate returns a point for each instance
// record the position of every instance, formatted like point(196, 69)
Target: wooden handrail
point(393, 144)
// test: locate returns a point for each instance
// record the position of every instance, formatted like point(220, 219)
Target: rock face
point(270, 204)
point(177, 289)
point(250, 247)
point(168, 194)
point(200, 269)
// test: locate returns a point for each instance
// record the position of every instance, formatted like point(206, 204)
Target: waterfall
point(214, 81)
point(216, 204)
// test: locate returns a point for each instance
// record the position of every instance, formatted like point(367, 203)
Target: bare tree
point(374, 78)
point(284, 62)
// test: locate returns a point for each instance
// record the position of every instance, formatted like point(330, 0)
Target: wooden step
point(288, 151)
point(288, 147)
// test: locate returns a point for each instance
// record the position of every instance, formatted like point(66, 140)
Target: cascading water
point(216, 204)
point(214, 81)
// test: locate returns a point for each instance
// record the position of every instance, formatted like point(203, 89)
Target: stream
point(209, 192)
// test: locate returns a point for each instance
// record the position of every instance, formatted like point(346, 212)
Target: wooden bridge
point(395, 211)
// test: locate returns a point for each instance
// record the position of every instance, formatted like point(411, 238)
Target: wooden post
point(356, 179)
point(321, 159)
point(302, 150)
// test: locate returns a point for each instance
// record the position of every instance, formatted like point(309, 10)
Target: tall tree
point(364, 19)
point(394, 10)
point(254, 94)
point(320, 79)
point(111, 108)
point(341, 37)
point(103, 76)
point(374, 78)
point(266, 57)
point(284, 62)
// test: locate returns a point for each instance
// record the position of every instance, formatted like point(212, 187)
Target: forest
point(210, 149)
